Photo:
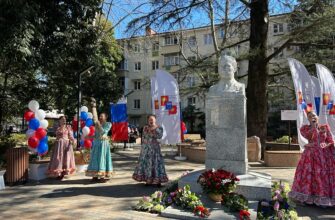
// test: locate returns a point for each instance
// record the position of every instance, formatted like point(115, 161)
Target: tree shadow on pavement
point(114, 191)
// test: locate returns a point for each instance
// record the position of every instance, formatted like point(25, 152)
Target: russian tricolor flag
point(119, 121)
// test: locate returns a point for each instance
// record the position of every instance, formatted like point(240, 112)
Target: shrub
point(283, 140)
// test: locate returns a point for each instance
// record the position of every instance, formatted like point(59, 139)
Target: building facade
point(173, 51)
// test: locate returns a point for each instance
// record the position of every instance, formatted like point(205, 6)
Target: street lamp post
point(79, 102)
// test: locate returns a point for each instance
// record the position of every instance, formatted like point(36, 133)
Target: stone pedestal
point(37, 171)
point(254, 186)
point(226, 134)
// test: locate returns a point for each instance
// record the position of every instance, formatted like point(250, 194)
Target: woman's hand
point(323, 145)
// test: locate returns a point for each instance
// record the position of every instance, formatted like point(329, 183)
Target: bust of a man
point(227, 83)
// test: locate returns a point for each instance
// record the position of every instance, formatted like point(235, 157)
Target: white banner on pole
point(304, 89)
point(165, 105)
point(327, 84)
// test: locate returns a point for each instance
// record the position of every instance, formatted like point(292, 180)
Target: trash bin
point(17, 166)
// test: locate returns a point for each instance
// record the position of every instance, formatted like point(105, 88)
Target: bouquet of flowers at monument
point(181, 197)
point(280, 207)
point(217, 182)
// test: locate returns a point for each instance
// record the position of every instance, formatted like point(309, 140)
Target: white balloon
point(40, 114)
point(90, 115)
point(86, 131)
point(44, 124)
point(30, 132)
point(83, 109)
point(33, 105)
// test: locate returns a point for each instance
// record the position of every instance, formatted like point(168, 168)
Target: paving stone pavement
point(77, 198)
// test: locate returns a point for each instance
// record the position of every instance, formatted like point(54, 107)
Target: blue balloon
point(45, 139)
point(34, 124)
point(83, 116)
point(89, 122)
point(42, 148)
point(81, 143)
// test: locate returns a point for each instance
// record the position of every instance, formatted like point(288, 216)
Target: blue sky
point(123, 11)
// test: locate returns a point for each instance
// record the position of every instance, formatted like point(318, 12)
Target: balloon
point(40, 114)
point(88, 143)
point(28, 115)
point(33, 105)
point(83, 109)
point(45, 139)
point(92, 130)
point(44, 124)
point(42, 148)
point(83, 116)
point(40, 133)
point(82, 123)
point(89, 122)
point(33, 142)
point(90, 115)
point(81, 143)
point(30, 132)
point(34, 124)
point(86, 131)
point(34, 150)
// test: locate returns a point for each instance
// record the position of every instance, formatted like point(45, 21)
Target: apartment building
point(172, 51)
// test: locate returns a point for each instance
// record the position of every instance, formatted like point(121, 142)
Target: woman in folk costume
point(150, 167)
point(100, 166)
point(62, 159)
point(314, 181)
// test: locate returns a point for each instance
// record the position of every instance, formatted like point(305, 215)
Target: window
point(281, 54)
point(137, 48)
point(155, 64)
point(137, 85)
point(278, 28)
point(137, 66)
point(123, 65)
point(170, 60)
point(192, 41)
point(191, 81)
point(137, 104)
point(122, 82)
point(171, 40)
point(155, 46)
point(208, 39)
point(191, 100)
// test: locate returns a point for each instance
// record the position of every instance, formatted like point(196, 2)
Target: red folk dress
point(314, 181)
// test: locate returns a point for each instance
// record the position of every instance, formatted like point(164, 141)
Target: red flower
point(244, 214)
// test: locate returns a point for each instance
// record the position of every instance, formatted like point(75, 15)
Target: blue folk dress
point(150, 167)
point(101, 159)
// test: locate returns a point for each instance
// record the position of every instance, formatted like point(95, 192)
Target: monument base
point(234, 166)
point(216, 211)
point(254, 186)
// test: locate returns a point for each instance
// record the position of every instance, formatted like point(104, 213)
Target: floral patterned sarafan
point(62, 159)
point(218, 181)
point(150, 167)
point(314, 181)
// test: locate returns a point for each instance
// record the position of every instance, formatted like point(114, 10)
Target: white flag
point(327, 83)
point(165, 105)
point(304, 94)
